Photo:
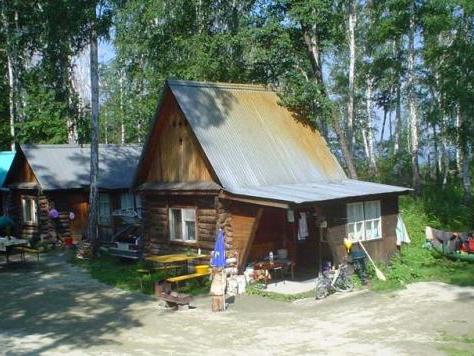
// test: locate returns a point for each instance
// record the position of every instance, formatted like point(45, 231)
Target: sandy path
point(56, 308)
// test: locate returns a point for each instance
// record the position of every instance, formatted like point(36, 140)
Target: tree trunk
point(12, 94)
point(94, 171)
point(11, 101)
point(437, 156)
point(464, 156)
point(370, 135)
point(398, 106)
point(458, 142)
point(383, 123)
point(341, 136)
point(122, 125)
point(352, 60)
point(314, 55)
point(72, 134)
point(414, 139)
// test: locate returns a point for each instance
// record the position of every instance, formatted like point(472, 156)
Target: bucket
point(202, 269)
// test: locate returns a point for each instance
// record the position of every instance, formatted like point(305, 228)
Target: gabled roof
point(68, 166)
point(6, 159)
point(249, 139)
point(257, 148)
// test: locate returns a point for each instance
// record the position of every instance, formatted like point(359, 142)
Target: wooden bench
point(186, 277)
point(24, 249)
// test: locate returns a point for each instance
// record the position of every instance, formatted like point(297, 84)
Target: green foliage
point(442, 210)
point(44, 115)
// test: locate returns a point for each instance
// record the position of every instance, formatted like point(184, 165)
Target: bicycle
point(330, 281)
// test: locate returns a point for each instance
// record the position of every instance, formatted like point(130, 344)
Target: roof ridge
point(87, 145)
point(220, 85)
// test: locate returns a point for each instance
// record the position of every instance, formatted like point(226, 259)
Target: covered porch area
point(307, 223)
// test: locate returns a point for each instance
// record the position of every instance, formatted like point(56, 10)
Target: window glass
point(105, 214)
point(182, 224)
point(364, 220)
point(28, 207)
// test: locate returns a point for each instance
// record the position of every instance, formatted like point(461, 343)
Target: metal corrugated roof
point(317, 192)
point(180, 186)
point(257, 148)
point(249, 139)
point(6, 159)
point(68, 166)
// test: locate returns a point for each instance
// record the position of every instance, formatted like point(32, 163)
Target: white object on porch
point(291, 287)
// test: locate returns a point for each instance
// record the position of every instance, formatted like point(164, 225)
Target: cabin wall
point(173, 154)
point(379, 249)
point(20, 171)
point(156, 221)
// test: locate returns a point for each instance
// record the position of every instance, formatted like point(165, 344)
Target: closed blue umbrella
point(218, 255)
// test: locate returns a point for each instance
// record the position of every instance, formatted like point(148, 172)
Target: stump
point(218, 286)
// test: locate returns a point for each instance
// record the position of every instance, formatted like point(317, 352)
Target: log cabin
point(230, 156)
point(43, 177)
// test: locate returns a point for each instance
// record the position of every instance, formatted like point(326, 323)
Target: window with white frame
point(182, 224)
point(364, 220)
point(105, 209)
point(29, 210)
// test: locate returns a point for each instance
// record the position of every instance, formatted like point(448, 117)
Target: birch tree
point(352, 20)
point(412, 105)
point(94, 147)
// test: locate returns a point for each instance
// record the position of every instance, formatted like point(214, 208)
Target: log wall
point(156, 222)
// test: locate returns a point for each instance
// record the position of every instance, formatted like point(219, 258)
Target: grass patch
point(124, 274)
point(457, 345)
point(442, 210)
point(259, 289)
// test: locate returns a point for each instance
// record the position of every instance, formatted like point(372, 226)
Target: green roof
point(6, 159)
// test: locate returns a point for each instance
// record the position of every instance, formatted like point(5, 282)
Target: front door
point(306, 241)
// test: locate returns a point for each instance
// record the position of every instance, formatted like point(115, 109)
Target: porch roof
point(318, 191)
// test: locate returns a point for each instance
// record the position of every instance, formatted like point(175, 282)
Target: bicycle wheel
point(344, 284)
point(322, 290)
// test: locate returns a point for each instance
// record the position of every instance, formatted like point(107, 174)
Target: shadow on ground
point(52, 304)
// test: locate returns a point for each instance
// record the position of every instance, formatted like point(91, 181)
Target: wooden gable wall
point(173, 153)
point(20, 171)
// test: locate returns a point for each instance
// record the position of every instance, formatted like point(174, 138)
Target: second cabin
point(230, 156)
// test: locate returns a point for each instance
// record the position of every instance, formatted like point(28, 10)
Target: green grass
point(438, 209)
point(457, 345)
point(124, 274)
point(258, 289)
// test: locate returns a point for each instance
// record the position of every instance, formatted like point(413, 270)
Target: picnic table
point(9, 243)
point(178, 259)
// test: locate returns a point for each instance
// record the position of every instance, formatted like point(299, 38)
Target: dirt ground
point(53, 307)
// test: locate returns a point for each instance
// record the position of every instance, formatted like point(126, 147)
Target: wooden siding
point(173, 154)
point(245, 219)
point(20, 171)
point(156, 221)
point(379, 249)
